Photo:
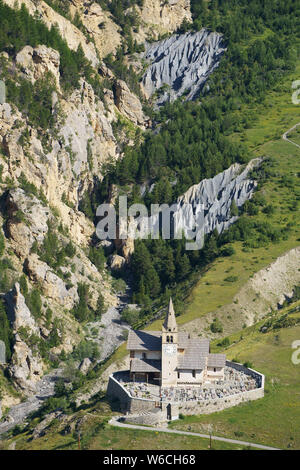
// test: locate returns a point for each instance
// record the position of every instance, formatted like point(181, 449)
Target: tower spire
point(170, 320)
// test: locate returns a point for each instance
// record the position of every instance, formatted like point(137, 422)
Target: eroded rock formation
point(181, 64)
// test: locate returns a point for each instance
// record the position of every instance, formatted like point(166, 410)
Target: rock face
point(160, 17)
point(36, 62)
point(116, 262)
point(155, 17)
point(26, 366)
point(99, 25)
point(85, 365)
point(68, 31)
point(128, 104)
point(20, 315)
point(181, 64)
point(27, 220)
point(53, 286)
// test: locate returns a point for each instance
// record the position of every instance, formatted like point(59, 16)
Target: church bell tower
point(169, 348)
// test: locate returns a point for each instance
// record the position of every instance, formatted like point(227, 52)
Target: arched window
point(171, 339)
point(168, 339)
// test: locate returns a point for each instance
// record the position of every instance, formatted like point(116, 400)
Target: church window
point(171, 339)
point(215, 370)
point(194, 373)
point(178, 375)
point(144, 356)
point(168, 339)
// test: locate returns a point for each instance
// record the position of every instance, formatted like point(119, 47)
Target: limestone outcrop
point(181, 64)
point(160, 17)
point(53, 286)
point(36, 62)
point(26, 221)
point(128, 104)
point(73, 36)
point(26, 365)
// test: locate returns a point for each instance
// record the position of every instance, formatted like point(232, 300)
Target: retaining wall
point(136, 406)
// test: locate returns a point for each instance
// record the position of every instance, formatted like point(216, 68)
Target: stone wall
point(138, 406)
point(219, 404)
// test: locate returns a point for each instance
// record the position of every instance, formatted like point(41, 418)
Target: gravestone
point(2, 92)
point(2, 353)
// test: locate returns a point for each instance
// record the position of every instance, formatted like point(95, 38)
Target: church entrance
point(169, 412)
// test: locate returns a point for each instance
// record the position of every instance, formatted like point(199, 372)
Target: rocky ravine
point(181, 64)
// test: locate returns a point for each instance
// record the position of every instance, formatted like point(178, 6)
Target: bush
point(86, 349)
point(216, 326)
point(225, 342)
point(248, 364)
point(231, 279)
point(227, 251)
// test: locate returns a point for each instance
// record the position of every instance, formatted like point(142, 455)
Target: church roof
point(216, 360)
point(144, 340)
point(141, 340)
point(145, 365)
point(195, 354)
point(170, 320)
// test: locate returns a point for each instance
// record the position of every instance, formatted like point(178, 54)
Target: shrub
point(216, 326)
point(231, 279)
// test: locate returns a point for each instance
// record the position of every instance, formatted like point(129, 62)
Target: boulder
point(116, 262)
point(85, 365)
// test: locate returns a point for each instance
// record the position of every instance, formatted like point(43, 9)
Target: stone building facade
point(170, 357)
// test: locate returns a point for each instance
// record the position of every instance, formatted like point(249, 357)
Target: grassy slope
point(273, 420)
point(96, 434)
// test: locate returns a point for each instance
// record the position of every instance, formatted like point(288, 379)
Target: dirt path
point(115, 422)
point(285, 135)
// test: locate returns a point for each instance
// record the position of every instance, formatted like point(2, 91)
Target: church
point(170, 357)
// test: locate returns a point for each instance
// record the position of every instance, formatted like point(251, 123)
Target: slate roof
point(145, 365)
point(195, 354)
point(216, 360)
point(140, 340)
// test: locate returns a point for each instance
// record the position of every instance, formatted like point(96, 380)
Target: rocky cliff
point(46, 175)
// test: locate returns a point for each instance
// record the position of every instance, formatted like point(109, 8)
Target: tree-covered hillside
point(193, 140)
